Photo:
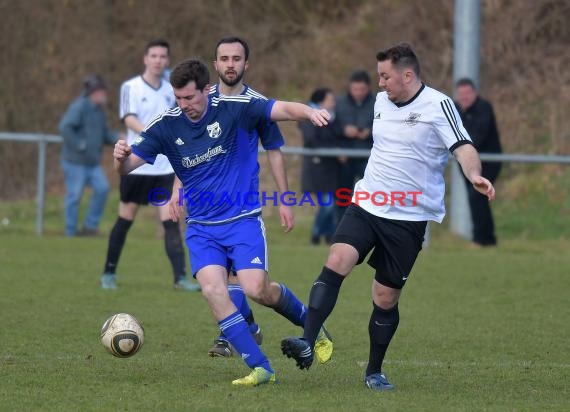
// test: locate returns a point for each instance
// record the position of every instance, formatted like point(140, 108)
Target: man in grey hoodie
point(85, 131)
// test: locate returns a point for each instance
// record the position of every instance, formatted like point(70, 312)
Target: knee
point(73, 195)
point(213, 292)
point(259, 292)
point(341, 260)
point(384, 297)
point(102, 189)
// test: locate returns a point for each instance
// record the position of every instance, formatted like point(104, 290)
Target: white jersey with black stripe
point(146, 102)
point(404, 178)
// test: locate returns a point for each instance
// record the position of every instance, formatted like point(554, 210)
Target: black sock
point(174, 249)
point(382, 326)
point(116, 242)
point(321, 302)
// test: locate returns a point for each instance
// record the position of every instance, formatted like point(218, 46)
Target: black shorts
point(145, 189)
point(396, 243)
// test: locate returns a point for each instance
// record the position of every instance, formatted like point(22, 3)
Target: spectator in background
point(478, 118)
point(355, 112)
point(321, 174)
point(84, 130)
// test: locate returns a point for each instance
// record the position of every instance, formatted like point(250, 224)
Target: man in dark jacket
point(355, 112)
point(321, 174)
point(479, 119)
point(84, 130)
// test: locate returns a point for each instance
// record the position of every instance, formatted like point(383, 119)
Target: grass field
point(479, 330)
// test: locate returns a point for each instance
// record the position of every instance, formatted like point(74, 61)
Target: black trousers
point(481, 215)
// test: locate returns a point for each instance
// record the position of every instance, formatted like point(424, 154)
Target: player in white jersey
point(415, 128)
point(142, 99)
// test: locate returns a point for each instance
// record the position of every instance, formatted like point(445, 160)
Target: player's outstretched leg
point(284, 302)
point(222, 347)
point(212, 279)
point(322, 300)
point(289, 306)
point(237, 332)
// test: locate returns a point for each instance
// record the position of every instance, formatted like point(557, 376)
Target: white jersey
point(404, 175)
point(144, 101)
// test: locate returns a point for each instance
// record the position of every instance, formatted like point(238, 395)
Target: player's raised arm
point(124, 160)
point(297, 111)
point(468, 158)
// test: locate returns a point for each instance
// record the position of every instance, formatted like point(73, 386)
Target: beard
point(231, 82)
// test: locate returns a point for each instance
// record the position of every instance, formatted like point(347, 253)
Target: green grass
point(480, 329)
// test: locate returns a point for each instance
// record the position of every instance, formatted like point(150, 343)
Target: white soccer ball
point(122, 335)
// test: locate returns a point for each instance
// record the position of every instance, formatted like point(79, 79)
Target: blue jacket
point(84, 131)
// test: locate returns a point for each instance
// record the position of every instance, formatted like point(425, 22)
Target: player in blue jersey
point(231, 60)
point(211, 146)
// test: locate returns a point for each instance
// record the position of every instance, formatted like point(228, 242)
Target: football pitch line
point(459, 364)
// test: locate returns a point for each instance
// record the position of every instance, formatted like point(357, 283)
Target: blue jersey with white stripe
point(270, 137)
point(215, 157)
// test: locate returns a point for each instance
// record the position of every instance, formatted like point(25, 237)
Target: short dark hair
point(157, 43)
point(320, 94)
point(401, 55)
point(232, 39)
point(465, 81)
point(190, 70)
point(92, 83)
point(360, 76)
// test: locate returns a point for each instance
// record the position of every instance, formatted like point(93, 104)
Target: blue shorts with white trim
point(237, 245)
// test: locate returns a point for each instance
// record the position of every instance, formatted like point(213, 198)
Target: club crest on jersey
point(412, 119)
point(214, 130)
point(138, 141)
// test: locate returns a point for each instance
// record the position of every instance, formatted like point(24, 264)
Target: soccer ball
point(122, 335)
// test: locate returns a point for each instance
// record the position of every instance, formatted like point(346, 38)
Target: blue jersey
point(215, 157)
point(270, 137)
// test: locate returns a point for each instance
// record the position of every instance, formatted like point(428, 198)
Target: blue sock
point(236, 331)
point(290, 307)
point(240, 301)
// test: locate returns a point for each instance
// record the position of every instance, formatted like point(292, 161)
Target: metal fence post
point(41, 195)
point(459, 210)
point(466, 33)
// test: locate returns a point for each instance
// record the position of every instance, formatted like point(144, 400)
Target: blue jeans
point(77, 177)
point(324, 224)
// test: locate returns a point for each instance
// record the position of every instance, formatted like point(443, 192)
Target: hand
point(343, 159)
point(122, 150)
point(484, 187)
point(320, 117)
point(351, 132)
point(287, 218)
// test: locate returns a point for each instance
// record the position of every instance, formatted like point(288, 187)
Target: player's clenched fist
point(122, 150)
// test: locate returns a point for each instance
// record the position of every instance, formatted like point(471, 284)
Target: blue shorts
point(237, 245)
